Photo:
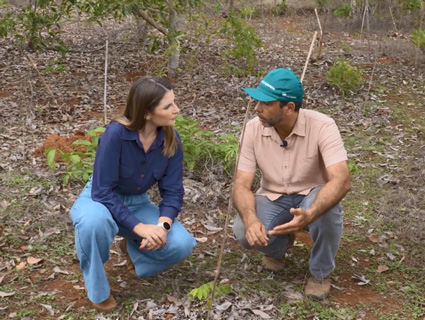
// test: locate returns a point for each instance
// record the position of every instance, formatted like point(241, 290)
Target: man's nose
point(257, 107)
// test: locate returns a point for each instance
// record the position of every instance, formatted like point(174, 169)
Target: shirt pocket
point(126, 172)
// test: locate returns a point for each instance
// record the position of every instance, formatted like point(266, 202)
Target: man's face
point(270, 113)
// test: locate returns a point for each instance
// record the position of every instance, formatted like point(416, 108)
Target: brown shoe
point(107, 305)
point(318, 289)
point(272, 264)
point(130, 266)
point(276, 265)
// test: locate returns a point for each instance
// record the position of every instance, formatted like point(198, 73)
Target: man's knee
point(239, 232)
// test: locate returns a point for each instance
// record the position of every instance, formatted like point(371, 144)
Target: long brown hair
point(144, 96)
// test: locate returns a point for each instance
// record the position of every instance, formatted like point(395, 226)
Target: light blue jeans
point(325, 231)
point(95, 230)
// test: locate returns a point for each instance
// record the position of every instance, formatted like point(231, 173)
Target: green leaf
point(51, 159)
point(82, 142)
point(75, 159)
point(66, 179)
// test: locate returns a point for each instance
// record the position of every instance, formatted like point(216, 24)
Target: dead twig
point(229, 210)
point(42, 79)
point(319, 55)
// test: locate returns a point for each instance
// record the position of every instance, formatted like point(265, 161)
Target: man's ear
point(291, 107)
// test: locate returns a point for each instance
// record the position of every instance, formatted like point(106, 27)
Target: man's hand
point(302, 218)
point(255, 233)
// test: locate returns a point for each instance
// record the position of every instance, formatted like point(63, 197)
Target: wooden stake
point(106, 81)
point(308, 56)
point(318, 22)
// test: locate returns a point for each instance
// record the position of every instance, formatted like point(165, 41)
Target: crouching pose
point(304, 177)
point(137, 150)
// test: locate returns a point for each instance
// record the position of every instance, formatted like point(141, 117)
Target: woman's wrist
point(138, 228)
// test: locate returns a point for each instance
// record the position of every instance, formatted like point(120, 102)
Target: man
point(304, 177)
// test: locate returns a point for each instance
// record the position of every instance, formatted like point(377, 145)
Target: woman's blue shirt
point(123, 167)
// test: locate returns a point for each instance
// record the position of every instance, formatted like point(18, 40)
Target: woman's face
point(165, 112)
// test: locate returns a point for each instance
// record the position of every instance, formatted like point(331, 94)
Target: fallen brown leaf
point(375, 238)
point(21, 265)
point(31, 260)
point(6, 294)
point(382, 268)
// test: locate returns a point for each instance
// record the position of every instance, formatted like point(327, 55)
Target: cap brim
point(258, 95)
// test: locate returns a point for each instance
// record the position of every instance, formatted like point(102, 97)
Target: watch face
point(166, 226)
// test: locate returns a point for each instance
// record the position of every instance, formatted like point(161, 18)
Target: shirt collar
point(134, 135)
point(299, 128)
point(159, 140)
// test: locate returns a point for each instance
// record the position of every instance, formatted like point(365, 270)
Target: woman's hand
point(153, 236)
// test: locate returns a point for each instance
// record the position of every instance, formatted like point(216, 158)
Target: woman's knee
point(181, 246)
point(93, 219)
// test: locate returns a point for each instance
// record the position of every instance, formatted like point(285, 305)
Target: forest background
point(67, 66)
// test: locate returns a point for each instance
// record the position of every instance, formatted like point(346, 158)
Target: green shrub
point(418, 38)
point(247, 11)
point(343, 11)
point(198, 146)
point(282, 7)
point(55, 67)
point(201, 145)
point(239, 56)
point(411, 5)
point(203, 292)
point(344, 76)
point(79, 164)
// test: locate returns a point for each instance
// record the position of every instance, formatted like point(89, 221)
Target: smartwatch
point(164, 225)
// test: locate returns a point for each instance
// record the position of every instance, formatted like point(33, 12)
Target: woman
point(137, 150)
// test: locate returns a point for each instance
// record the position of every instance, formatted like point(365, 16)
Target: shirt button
point(142, 175)
point(138, 188)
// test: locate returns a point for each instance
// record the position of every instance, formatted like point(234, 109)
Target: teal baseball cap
point(279, 84)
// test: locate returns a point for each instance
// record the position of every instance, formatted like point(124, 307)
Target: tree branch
point(141, 14)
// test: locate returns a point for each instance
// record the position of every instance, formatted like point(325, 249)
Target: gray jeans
point(325, 231)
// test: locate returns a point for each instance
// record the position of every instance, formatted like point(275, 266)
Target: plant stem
point(229, 209)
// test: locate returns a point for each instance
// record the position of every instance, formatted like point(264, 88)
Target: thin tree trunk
point(175, 23)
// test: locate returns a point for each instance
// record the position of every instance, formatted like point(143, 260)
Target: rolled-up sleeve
point(171, 185)
point(331, 145)
point(247, 160)
point(106, 176)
